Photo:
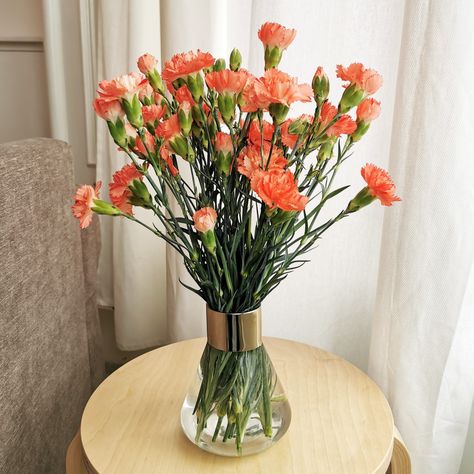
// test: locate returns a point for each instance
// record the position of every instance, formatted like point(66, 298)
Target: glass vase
point(236, 405)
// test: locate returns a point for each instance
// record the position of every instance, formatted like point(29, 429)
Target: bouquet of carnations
point(256, 181)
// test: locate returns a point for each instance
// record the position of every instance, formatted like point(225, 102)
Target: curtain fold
point(132, 267)
point(421, 352)
point(390, 290)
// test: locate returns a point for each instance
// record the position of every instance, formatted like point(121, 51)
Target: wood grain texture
point(74, 457)
point(341, 422)
point(400, 463)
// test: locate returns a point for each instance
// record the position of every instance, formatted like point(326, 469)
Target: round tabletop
point(341, 421)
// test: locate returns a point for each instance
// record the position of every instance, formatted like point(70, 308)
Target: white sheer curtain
point(132, 265)
point(390, 290)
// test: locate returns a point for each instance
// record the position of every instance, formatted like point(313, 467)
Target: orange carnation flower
point(147, 93)
point(184, 64)
point(344, 125)
point(83, 203)
point(278, 189)
point(146, 63)
point(119, 188)
point(284, 89)
point(122, 87)
point(169, 128)
point(274, 34)
point(166, 157)
point(107, 109)
point(380, 184)
point(250, 160)
point(205, 219)
point(328, 112)
point(254, 96)
point(275, 87)
point(227, 81)
point(153, 113)
point(255, 135)
point(183, 94)
point(223, 143)
point(368, 80)
point(368, 110)
point(149, 144)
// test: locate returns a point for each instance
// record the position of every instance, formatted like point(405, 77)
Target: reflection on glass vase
point(236, 405)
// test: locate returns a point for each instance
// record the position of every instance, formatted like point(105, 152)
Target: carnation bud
point(179, 144)
point(325, 152)
point(156, 82)
point(209, 240)
point(140, 195)
point(235, 60)
point(224, 162)
point(272, 56)
point(204, 222)
point(320, 85)
point(298, 126)
point(191, 156)
point(226, 103)
point(219, 65)
point(117, 130)
point(133, 110)
point(362, 199)
point(362, 128)
point(197, 115)
point(278, 113)
point(195, 85)
point(351, 97)
point(105, 208)
point(185, 117)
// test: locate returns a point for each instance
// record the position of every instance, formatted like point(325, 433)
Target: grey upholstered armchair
point(50, 352)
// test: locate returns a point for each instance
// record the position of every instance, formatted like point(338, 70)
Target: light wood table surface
point(341, 422)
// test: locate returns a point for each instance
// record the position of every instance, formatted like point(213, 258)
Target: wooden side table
point(341, 422)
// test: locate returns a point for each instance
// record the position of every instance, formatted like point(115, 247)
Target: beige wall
point(23, 77)
point(21, 19)
point(23, 84)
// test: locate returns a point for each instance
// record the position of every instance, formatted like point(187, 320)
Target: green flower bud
point(105, 208)
point(325, 152)
point(226, 104)
point(320, 85)
point(362, 199)
point(118, 133)
point(133, 110)
point(209, 240)
point(185, 118)
point(298, 126)
point(179, 144)
point(224, 162)
point(195, 85)
point(278, 113)
point(272, 57)
point(191, 156)
point(155, 81)
point(362, 128)
point(197, 116)
point(235, 60)
point(219, 65)
point(141, 196)
point(351, 97)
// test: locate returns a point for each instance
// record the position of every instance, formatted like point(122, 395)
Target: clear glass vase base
point(254, 439)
